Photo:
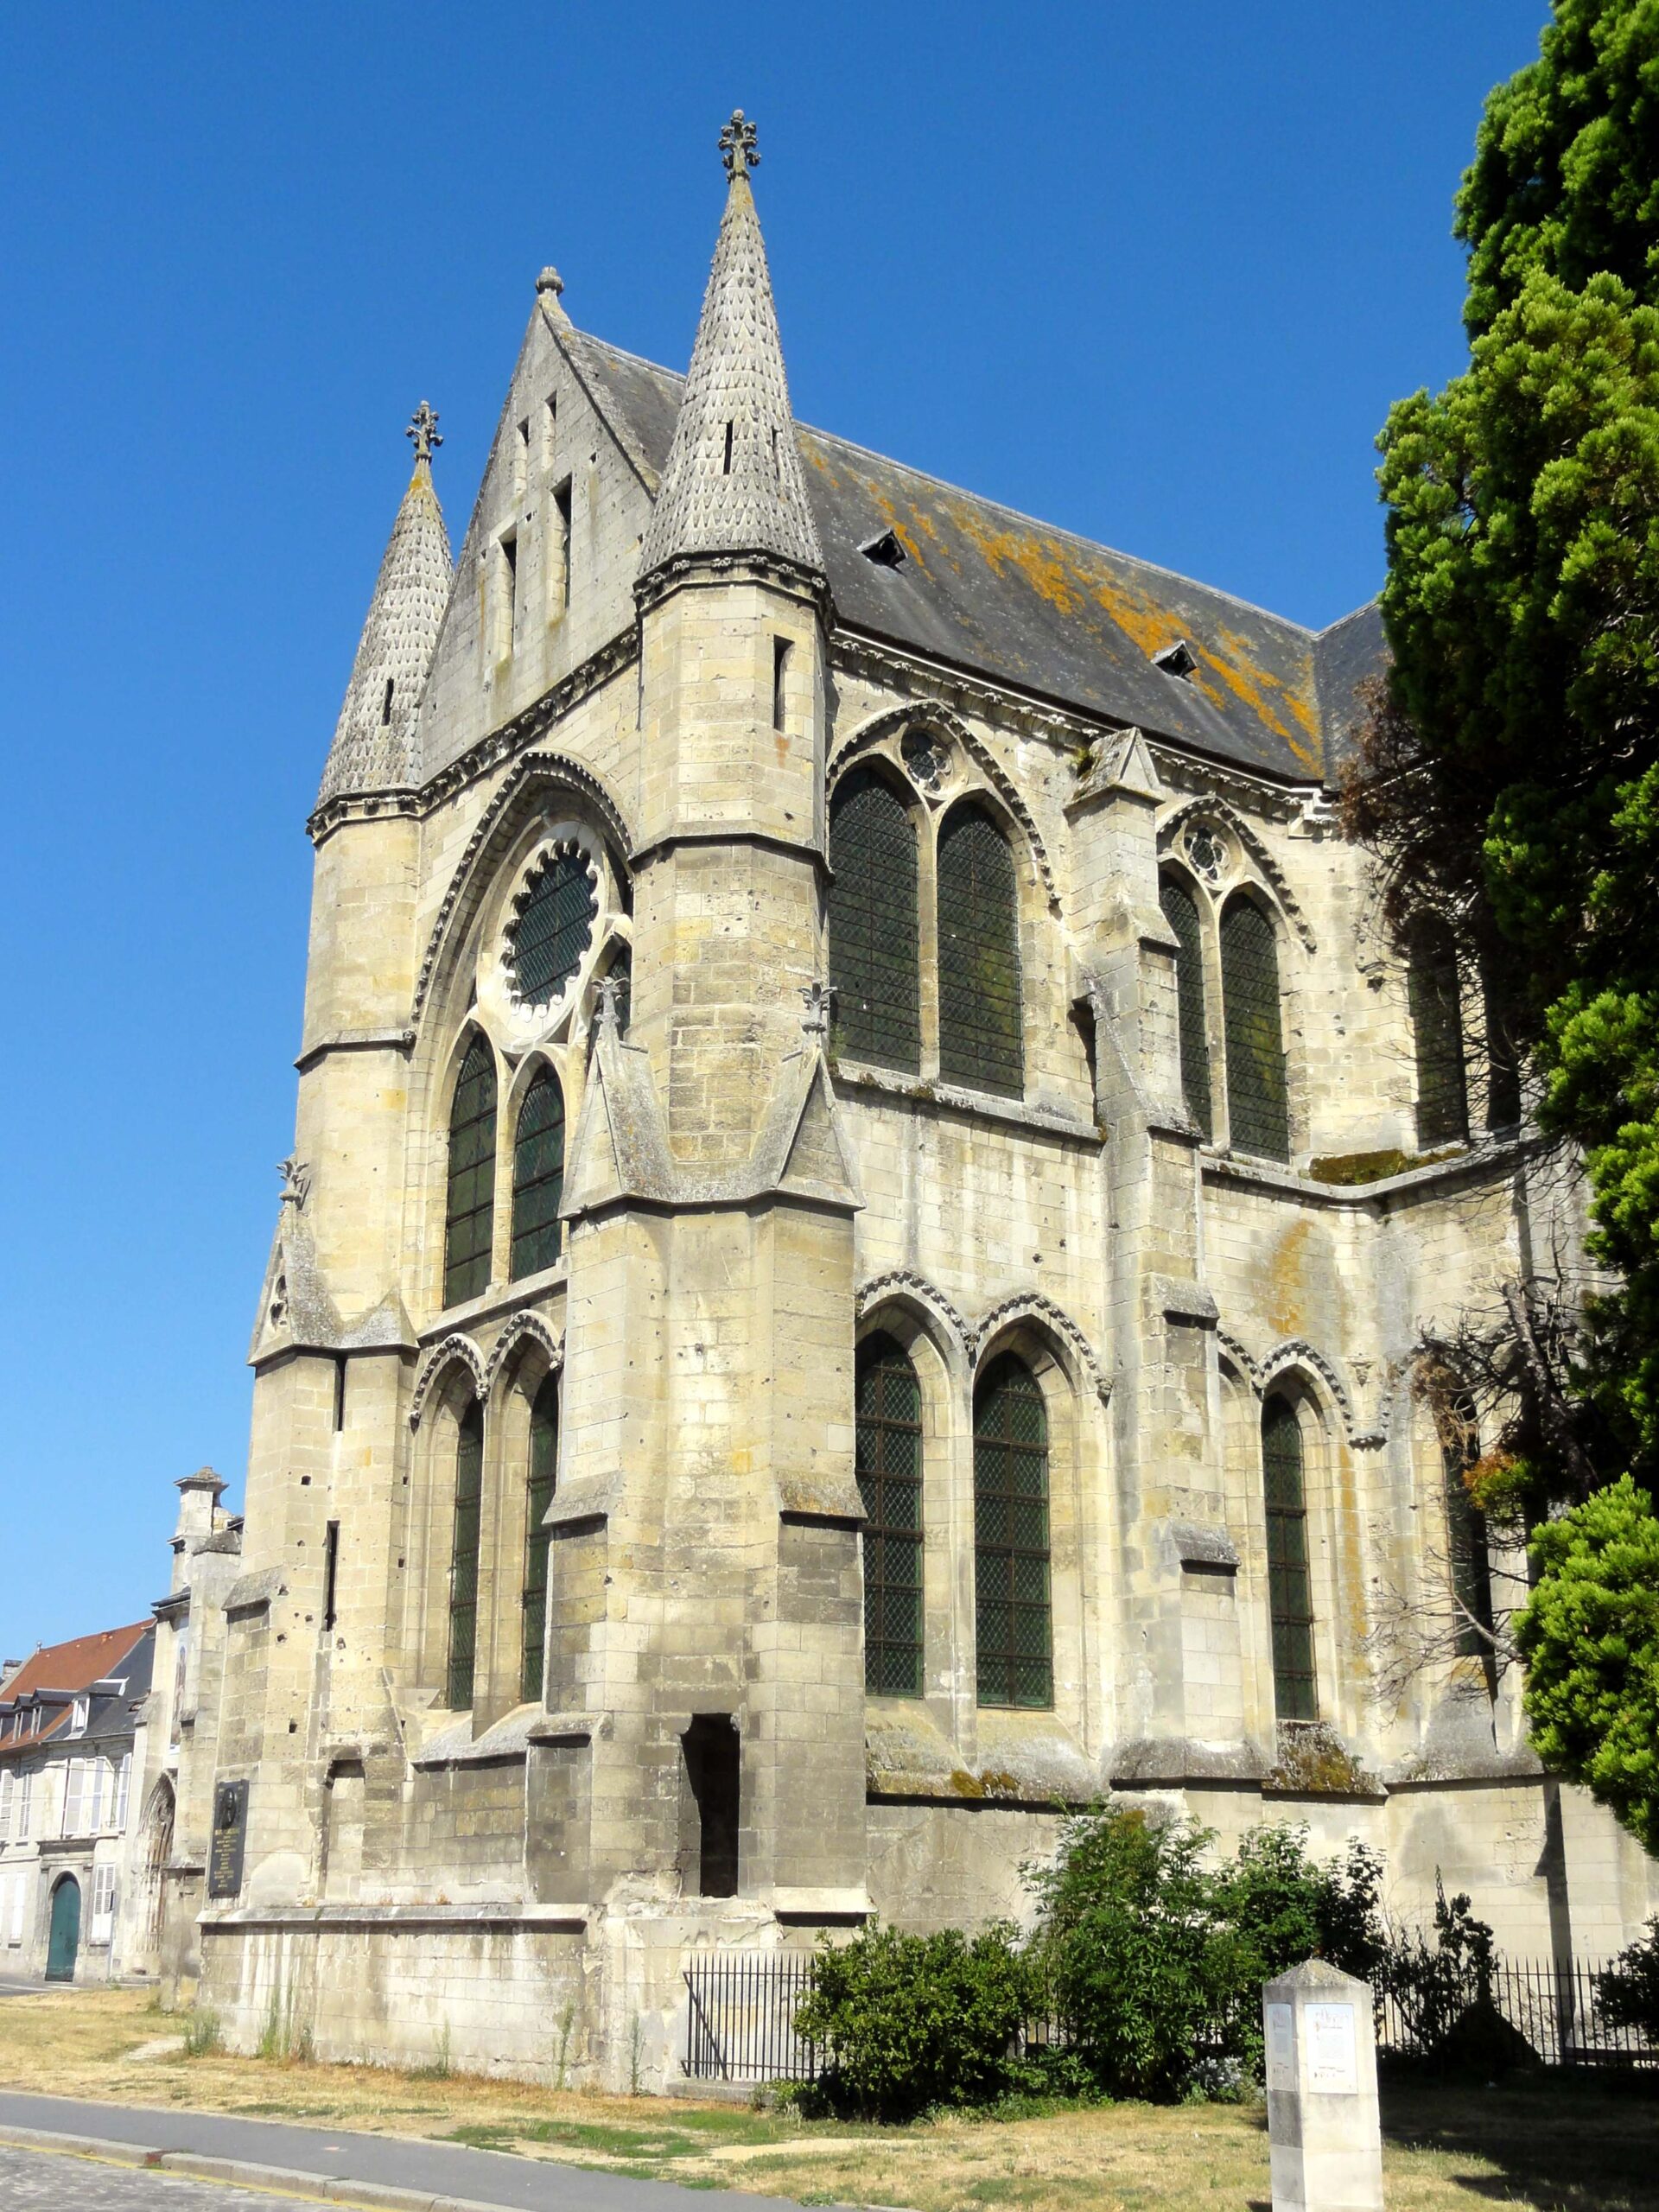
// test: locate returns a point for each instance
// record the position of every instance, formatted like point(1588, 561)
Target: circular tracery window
point(554, 927)
point(1206, 851)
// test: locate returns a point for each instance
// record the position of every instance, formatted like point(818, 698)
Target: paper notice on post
point(1281, 2047)
point(1332, 2064)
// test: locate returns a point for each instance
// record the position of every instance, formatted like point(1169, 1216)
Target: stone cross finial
point(609, 992)
point(816, 1020)
point(423, 429)
point(737, 147)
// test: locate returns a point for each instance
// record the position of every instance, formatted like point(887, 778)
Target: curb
point(240, 2173)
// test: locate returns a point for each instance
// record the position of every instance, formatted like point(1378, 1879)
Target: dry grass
point(1570, 2147)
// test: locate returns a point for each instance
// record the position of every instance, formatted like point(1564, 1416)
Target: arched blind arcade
point(1257, 1108)
point(538, 1495)
point(469, 1215)
point(1011, 1567)
point(1435, 999)
point(463, 1557)
point(537, 1176)
point(1181, 913)
point(979, 957)
point(873, 924)
point(1290, 1589)
point(889, 1449)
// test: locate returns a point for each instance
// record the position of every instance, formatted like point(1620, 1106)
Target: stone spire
point(733, 481)
point(373, 747)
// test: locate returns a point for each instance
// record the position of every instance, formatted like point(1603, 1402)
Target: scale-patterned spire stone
point(733, 481)
point(374, 739)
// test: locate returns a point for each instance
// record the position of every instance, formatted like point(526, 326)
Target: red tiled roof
point(78, 1664)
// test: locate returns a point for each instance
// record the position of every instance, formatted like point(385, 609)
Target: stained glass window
point(538, 1495)
point(1433, 995)
point(979, 957)
point(537, 1176)
point(1290, 1590)
point(469, 1216)
point(889, 1448)
point(554, 928)
point(1257, 1108)
point(463, 1559)
point(873, 924)
point(1181, 913)
point(1011, 1570)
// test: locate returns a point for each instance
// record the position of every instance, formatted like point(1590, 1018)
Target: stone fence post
point(1323, 2126)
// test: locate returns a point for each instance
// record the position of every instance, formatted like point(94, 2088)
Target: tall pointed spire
point(373, 747)
point(732, 482)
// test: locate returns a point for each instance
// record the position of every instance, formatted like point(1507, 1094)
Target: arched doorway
point(66, 1931)
point(158, 1849)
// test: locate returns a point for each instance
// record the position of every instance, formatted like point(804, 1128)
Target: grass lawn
point(1555, 2146)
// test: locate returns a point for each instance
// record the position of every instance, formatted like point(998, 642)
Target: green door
point(66, 1931)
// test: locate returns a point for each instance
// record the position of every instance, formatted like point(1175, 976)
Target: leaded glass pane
point(1257, 1108)
point(554, 928)
point(979, 957)
point(537, 1176)
point(463, 1559)
point(889, 1445)
point(873, 924)
point(1434, 999)
point(469, 1215)
point(538, 1495)
point(1468, 1557)
point(1290, 1597)
point(1012, 1606)
point(1181, 913)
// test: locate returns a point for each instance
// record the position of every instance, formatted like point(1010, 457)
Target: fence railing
point(740, 2017)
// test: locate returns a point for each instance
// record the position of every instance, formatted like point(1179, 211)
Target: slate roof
point(992, 592)
point(372, 749)
point(732, 479)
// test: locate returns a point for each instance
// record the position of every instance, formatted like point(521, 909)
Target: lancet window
point(463, 1557)
point(1258, 1112)
point(873, 951)
point(1012, 1608)
point(1181, 913)
point(889, 1462)
point(980, 1018)
point(1290, 1588)
point(538, 1175)
point(538, 1495)
point(1435, 999)
point(469, 1215)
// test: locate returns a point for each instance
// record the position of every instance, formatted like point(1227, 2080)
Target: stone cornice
point(730, 568)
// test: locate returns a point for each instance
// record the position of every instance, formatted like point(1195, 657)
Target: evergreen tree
point(1512, 770)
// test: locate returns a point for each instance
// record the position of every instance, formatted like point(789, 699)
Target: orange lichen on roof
point(1139, 617)
point(1247, 682)
point(1044, 563)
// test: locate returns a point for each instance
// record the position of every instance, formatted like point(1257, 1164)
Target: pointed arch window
point(979, 957)
point(554, 927)
point(538, 1495)
point(874, 941)
point(463, 1556)
point(1290, 1588)
point(1468, 1556)
point(1181, 913)
point(1258, 1111)
point(1434, 999)
point(469, 1216)
point(889, 1461)
point(1012, 1610)
point(538, 1175)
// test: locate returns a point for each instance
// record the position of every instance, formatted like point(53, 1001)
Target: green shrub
point(1628, 1990)
point(203, 2035)
point(914, 2021)
point(1435, 1984)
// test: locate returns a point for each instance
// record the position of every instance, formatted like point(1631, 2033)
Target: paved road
point(43, 2181)
point(491, 2178)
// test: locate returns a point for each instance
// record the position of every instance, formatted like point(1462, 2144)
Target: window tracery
point(875, 956)
point(889, 1466)
point(469, 1212)
point(980, 1011)
point(1012, 1602)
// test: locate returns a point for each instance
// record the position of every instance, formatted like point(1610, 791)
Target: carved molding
point(894, 721)
point(1032, 1305)
point(905, 1283)
point(930, 682)
point(1219, 811)
point(1190, 773)
point(454, 1350)
point(1292, 1352)
point(522, 1329)
point(554, 768)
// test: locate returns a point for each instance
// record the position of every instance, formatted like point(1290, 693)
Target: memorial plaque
point(1281, 2047)
point(229, 1839)
point(1333, 2059)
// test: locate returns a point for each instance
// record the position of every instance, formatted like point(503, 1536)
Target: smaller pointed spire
point(733, 481)
point(373, 747)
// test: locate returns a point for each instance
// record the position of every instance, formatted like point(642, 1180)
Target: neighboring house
point(72, 1735)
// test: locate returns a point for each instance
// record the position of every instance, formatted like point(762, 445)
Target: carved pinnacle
point(423, 429)
point(737, 145)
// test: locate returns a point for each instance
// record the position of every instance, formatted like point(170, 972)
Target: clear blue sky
point(1153, 273)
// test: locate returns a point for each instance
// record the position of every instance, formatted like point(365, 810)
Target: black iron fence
point(740, 2017)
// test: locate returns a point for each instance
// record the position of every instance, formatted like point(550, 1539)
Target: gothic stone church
point(822, 1312)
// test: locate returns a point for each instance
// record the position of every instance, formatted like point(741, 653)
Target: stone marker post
point(1323, 2127)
